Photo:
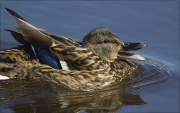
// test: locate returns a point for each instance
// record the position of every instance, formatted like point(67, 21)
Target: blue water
point(153, 22)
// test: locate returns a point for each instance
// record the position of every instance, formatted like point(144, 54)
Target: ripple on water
point(150, 72)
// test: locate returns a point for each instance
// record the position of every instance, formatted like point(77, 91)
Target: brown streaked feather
point(80, 58)
point(14, 55)
point(72, 79)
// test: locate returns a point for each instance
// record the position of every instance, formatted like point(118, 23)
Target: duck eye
point(115, 42)
point(106, 41)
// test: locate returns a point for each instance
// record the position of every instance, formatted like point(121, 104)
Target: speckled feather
point(92, 65)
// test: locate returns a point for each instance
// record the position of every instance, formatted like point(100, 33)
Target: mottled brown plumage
point(93, 64)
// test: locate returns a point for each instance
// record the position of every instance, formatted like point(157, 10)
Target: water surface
point(153, 22)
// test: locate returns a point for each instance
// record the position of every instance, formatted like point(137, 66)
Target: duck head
point(105, 44)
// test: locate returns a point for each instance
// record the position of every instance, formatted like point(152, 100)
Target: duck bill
point(127, 47)
point(125, 55)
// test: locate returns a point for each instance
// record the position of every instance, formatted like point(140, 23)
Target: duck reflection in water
point(35, 97)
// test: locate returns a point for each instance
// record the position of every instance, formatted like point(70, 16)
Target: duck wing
point(36, 36)
point(39, 39)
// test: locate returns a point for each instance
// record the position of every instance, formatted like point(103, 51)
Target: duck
point(96, 62)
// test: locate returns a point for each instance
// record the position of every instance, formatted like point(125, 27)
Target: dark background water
point(153, 22)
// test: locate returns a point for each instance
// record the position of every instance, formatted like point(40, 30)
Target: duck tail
point(30, 32)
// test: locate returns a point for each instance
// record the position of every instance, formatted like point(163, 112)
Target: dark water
point(153, 22)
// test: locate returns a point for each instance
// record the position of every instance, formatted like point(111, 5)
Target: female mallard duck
point(92, 64)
